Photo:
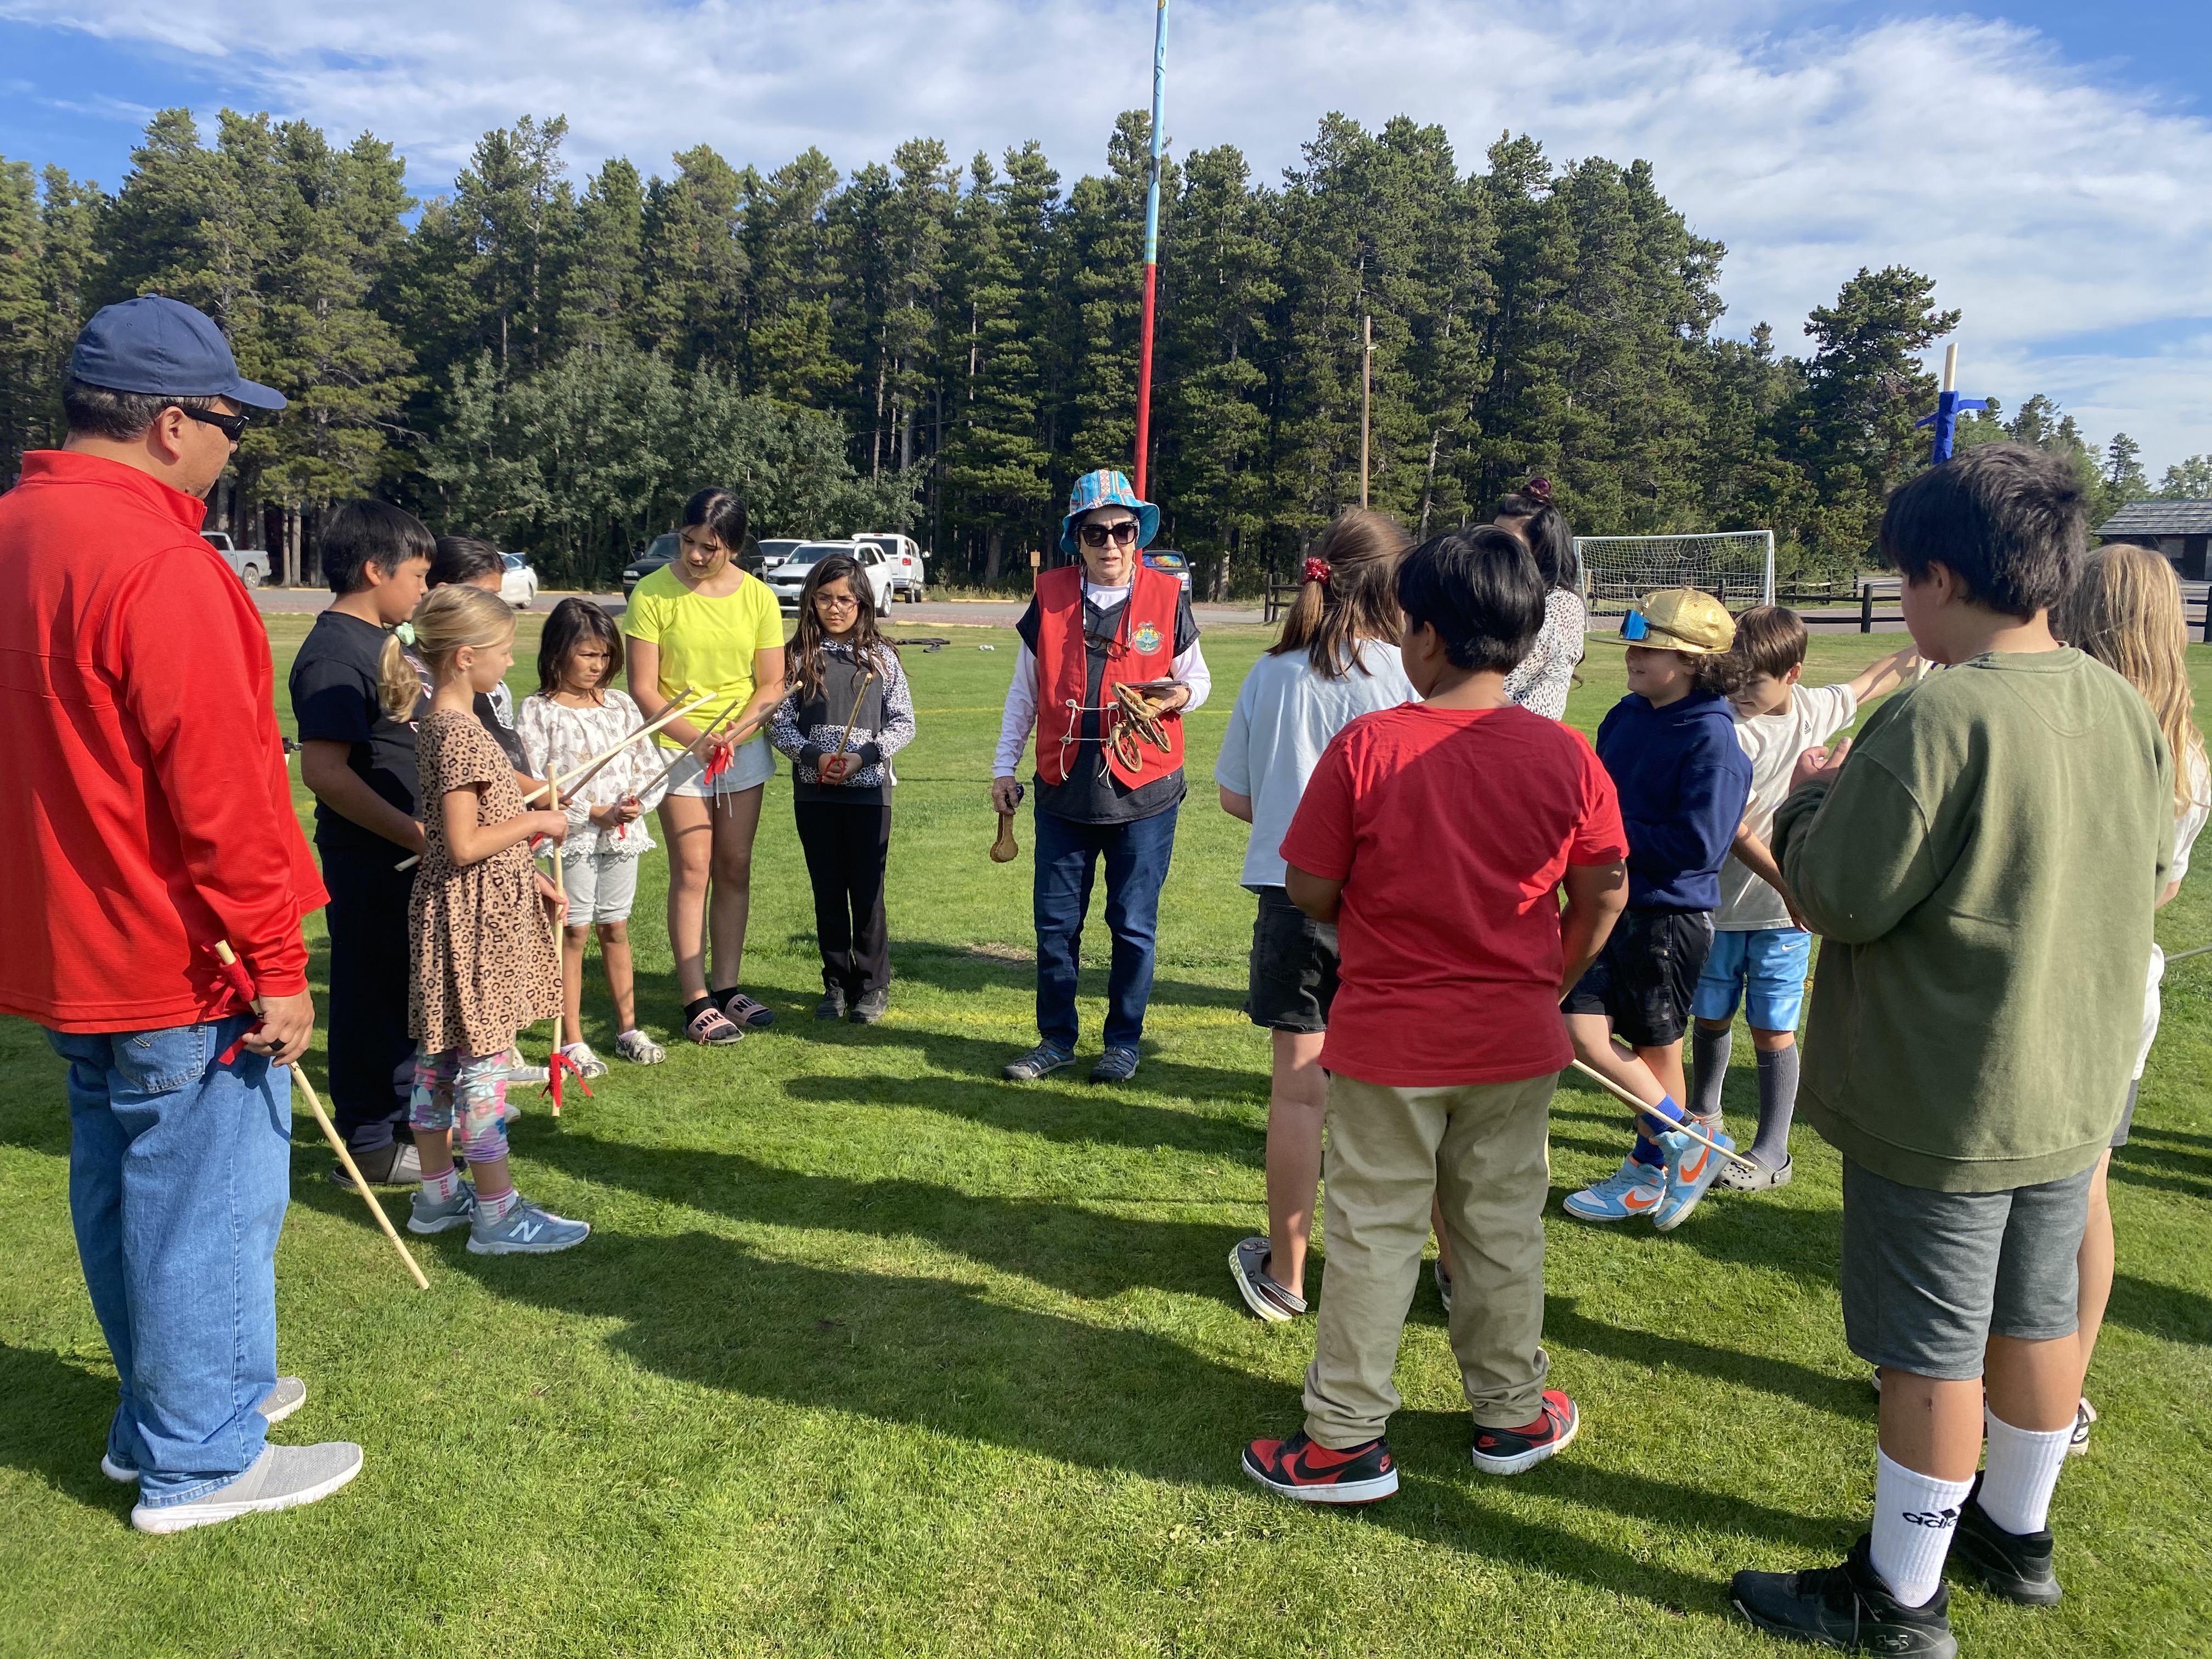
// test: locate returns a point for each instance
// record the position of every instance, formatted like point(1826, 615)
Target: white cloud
point(2048, 204)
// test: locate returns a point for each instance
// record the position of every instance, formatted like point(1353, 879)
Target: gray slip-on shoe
point(279, 1403)
point(398, 1164)
point(282, 1477)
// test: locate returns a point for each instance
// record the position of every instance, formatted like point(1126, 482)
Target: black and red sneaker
point(1312, 1474)
point(1509, 1451)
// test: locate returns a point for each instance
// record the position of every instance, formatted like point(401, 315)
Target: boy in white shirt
point(1761, 951)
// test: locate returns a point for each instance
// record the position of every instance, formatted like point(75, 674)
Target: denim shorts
point(1293, 972)
point(751, 764)
point(1767, 966)
point(1643, 979)
point(1929, 1277)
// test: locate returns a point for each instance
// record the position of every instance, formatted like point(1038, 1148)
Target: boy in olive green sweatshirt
point(1981, 872)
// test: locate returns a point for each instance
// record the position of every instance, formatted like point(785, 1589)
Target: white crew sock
point(1914, 1516)
point(492, 1208)
point(2022, 1473)
point(442, 1188)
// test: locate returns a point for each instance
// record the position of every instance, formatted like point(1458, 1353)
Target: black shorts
point(1293, 966)
point(1643, 979)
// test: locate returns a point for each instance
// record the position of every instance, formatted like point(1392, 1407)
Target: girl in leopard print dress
point(484, 961)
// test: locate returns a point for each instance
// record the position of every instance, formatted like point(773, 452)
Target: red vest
point(1144, 650)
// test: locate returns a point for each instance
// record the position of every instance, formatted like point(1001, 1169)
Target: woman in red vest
point(1110, 621)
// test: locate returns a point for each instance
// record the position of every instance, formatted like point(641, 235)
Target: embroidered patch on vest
point(1146, 639)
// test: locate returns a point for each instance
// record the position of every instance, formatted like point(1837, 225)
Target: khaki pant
point(1479, 1149)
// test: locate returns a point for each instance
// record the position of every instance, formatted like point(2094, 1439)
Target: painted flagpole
point(1151, 247)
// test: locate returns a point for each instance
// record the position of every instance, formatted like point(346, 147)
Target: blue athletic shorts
point(1766, 968)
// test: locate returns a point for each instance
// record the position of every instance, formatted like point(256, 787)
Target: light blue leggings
point(480, 1083)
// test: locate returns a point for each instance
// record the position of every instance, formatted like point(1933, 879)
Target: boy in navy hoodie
point(1684, 782)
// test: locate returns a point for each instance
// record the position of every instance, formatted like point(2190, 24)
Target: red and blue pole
point(1152, 247)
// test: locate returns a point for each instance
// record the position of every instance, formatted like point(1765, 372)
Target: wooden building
point(2180, 530)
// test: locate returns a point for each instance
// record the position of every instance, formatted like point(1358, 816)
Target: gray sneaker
point(639, 1049)
point(587, 1064)
point(398, 1164)
point(279, 1403)
point(526, 1229)
point(1114, 1066)
point(1038, 1062)
point(519, 1070)
point(458, 1211)
point(282, 1477)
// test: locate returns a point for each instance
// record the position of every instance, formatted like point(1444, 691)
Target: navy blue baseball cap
point(163, 347)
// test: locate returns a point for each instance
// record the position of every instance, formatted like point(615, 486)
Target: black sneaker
point(871, 1007)
point(2014, 1564)
point(832, 1005)
point(1297, 1468)
point(1846, 1606)
point(1510, 1451)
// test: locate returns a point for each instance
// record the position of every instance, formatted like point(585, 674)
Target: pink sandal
point(711, 1027)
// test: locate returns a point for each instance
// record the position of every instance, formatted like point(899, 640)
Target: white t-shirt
point(1285, 717)
point(2187, 828)
point(1816, 712)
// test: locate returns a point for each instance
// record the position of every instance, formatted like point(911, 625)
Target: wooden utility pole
point(1366, 395)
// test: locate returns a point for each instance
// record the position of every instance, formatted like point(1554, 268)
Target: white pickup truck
point(250, 563)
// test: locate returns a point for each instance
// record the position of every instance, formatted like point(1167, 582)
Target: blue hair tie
point(405, 633)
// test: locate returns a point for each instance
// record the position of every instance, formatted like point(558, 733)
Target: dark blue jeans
point(1136, 855)
point(180, 1171)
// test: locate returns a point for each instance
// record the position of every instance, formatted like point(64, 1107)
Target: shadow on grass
point(55, 1426)
point(2161, 1310)
point(942, 1358)
point(1080, 1251)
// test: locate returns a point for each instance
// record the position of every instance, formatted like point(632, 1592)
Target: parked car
point(785, 581)
point(657, 552)
point(773, 552)
point(250, 563)
point(1167, 559)
point(909, 575)
point(518, 585)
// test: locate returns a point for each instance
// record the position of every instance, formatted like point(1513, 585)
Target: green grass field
point(873, 1354)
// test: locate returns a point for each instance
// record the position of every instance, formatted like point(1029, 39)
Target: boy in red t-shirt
point(1436, 837)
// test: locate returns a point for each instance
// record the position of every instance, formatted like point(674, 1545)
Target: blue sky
point(2046, 162)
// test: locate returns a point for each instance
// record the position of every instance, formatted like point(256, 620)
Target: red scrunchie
point(1316, 570)
point(1538, 490)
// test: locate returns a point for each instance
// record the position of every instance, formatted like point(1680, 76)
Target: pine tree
point(695, 265)
point(790, 282)
point(25, 320)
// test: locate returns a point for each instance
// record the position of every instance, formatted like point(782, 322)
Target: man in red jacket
point(136, 703)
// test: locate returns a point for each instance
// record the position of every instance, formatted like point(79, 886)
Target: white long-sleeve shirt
point(1020, 717)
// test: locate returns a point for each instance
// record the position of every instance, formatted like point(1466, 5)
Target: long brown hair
point(1349, 594)
point(2125, 610)
point(869, 648)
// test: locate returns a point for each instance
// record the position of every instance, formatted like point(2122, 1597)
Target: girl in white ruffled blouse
point(575, 713)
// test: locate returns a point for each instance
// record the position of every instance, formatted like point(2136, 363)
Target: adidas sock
point(492, 1208)
point(1915, 1516)
point(1778, 1104)
point(2022, 1473)
point(442, 1188)
point(1708, 1060)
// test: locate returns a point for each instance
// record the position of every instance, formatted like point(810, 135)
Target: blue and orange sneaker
point(1299, 1468)
point(1510, 1451)
point(1633, 1189)
point(1692, 1166)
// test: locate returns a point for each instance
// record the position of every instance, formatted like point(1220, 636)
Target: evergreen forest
point(555, 361)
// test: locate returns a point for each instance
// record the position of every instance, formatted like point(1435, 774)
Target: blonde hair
point(2125, 610)
point(448, 618)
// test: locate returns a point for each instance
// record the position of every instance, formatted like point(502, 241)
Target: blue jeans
point(180, 1171)
point(1136, 854)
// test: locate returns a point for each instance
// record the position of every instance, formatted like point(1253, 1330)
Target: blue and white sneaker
point(459, 1211)
point(526, 1229)
point(1633, 1189)
point(1692, 1166)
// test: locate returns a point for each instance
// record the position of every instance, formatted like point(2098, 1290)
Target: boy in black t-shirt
point(361, 764)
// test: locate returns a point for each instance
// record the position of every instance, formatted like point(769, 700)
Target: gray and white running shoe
point(458, 1211)
point(526, 1229)
point(639, 1049)
point(282, 1477)
point(288, 1394)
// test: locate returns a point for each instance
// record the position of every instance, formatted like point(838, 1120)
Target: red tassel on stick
point(554, 1067)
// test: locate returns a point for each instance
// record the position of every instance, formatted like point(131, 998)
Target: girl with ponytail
point(1336, 661)
point(1542, 680)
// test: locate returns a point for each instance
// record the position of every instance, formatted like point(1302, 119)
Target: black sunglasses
point(232, 427)
point(1097, 535)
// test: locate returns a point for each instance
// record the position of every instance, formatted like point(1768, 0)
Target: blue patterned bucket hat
point(1107, 488)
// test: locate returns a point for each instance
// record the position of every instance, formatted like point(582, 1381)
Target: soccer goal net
point(1736, 567)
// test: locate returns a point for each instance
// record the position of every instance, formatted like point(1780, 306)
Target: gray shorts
point(1929, 1277)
